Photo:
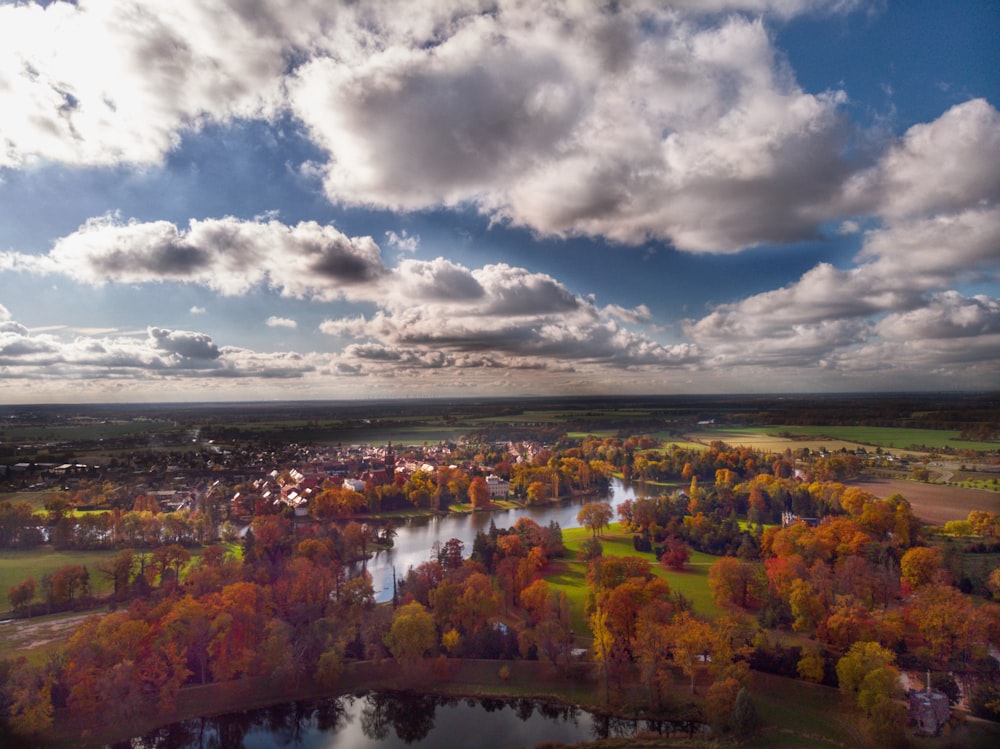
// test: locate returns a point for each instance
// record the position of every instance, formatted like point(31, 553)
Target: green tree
point(862, 659)
point(744, 719)
point(810, 666)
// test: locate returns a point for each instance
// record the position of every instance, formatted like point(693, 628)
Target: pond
point(392, 720)
point(417, 536)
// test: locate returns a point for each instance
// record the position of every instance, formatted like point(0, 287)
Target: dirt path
point(27, 634)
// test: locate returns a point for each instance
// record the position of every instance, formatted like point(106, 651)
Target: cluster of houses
point(374, 467)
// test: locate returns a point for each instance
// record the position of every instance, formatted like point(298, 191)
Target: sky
point(226, 200)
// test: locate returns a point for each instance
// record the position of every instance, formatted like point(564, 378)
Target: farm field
point(933, 503)
point(759, 440)
point(895, 440)
point(885, 437)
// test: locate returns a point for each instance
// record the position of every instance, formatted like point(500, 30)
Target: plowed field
point(932, 503)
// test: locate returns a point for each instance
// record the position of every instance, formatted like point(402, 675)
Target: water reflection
point(393, 720)
point(417, 536)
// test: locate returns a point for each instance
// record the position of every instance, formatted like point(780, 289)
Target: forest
point(810, 578)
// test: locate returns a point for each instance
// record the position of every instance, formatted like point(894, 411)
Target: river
point(416, 537)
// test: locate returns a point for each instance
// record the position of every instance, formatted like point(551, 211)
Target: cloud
point(715, 148)
point(505, 106)
point(196, 310)
point(183, 343)
point(96, 83)
point(228, 255)
point(945, 166)
point(430, 313)
point(280, 322)
point(897, 309)
point(160, 355)
point(403, 241)
point(948, 315)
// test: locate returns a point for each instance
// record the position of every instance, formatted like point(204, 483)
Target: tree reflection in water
point(379, 715)
point(410, 715)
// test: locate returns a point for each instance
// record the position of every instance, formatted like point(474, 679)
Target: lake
point(416, 537)
point(393, 720)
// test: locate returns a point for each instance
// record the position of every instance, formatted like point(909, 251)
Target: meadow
point(16, 566)
point(569, 575)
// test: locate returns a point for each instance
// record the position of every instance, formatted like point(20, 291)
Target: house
point(498, 487)
point(929, 710)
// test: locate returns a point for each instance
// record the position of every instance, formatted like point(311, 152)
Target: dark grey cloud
point(184, 343)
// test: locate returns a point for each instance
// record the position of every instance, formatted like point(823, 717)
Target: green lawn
point(797, 715)
point(569, 575)
point(16, 566)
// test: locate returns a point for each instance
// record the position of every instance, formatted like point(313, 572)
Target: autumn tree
point(676, 554)
point(21, 594)
point(919, 565)
point(691, 644)
point(479, 493)
point(735, 582)
point(946, 620)
point(596, 516)
point(860, 661)
point(652, 646)
point(29, 695)
point(811, 664)
point(412, 633)
point(867, 676)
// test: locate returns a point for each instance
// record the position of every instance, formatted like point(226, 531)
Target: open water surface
point(394, 720)
point(417, 536)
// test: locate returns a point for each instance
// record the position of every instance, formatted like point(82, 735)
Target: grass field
point(569, 575)
point(16, 566)
point(35, 499)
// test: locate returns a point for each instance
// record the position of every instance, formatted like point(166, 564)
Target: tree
point(744, 719)
point(30, 698)
point(676, 554)
point(810, 665)
point(329, 668)
point(946, 619)
point(535, 600)
point(412, 633)
point(119, 570)
point(21, 594)
point(652, 646)
point(479, 493)
point(735, 582)
point(861, 659)
point(993, 583)
point(596, 516)
point(691, 642)
point(919, 565)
